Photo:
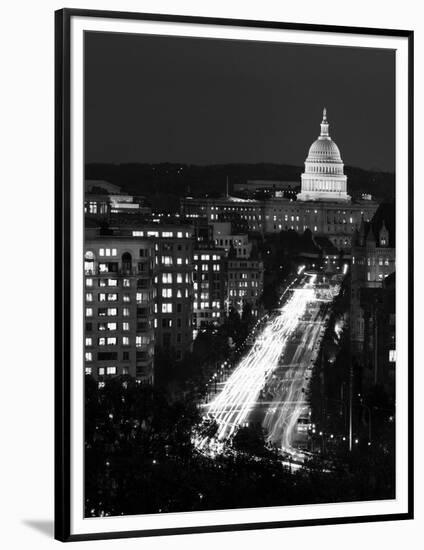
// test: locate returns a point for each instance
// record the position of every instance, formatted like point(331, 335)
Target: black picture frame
point(63, 277)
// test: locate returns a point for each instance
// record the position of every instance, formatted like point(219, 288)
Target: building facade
point(174, 284)
point(225, 238)
point(227, 208)
point(210, 285)
point(372, 303)
point(245, 283)
point(119, 307)
point(323, 204)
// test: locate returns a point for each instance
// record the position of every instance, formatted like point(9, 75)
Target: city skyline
point(243, 339)
point(218, 102)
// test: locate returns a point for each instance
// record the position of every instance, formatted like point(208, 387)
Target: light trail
point(232, 405)
point(289, 404)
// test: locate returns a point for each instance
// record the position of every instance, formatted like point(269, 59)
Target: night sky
point(203, 101)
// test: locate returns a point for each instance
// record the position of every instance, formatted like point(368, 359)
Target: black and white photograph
point(237, 309)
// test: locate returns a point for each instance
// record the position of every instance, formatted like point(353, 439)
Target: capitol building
point(323, 178)
point(323, 205)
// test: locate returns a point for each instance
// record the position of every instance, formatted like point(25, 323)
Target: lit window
point(112, 282)
point(88, 370)
point(166, 308)
point(111, 370)
point(392, 355)
point(166, 260)
point(89, 282)
point(179, 278)
point(125, 312)
point(111, 326)
point(126, 298)
point(88, 341)
point(126, 283)
point(167, 234)
point(142, 297)
point(112, 311)
point(141, 340)
point(179, 261)
point(125, 341)
point(102, 297)
point(89, 296)
point(125, 326)
point(88, 356)
point(167, 278)
point(88, 311)
point(167, 293)
point(180, 234)
point(101, 371)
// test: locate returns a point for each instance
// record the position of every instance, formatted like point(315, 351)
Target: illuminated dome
point(324, 150)
point(323, 178)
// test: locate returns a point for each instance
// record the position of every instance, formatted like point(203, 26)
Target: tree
point(250, 439)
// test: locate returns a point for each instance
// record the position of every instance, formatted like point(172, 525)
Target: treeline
point(373, 415)
point(163, 184)
point(212, 346)
point(140, 459)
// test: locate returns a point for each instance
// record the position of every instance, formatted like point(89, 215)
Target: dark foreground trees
point(139, 458)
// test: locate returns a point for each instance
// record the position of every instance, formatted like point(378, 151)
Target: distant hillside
point(163, 184)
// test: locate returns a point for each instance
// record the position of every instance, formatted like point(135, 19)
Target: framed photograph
point(233, 274)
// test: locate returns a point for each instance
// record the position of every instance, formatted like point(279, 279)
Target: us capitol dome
point(323, 178)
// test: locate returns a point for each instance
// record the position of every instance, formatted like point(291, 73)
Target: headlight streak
point(280, 421)
point(232, 405)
